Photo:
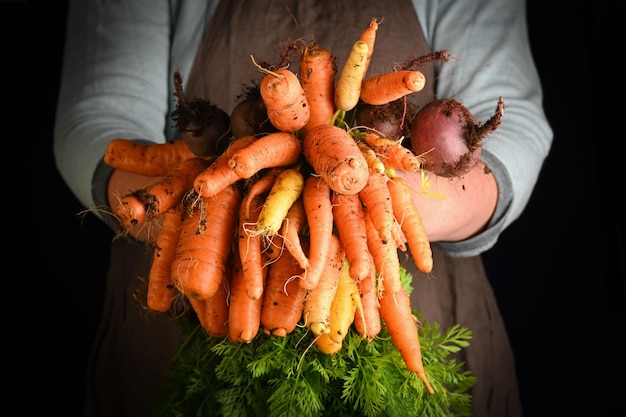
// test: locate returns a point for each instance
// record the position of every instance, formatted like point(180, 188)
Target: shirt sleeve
point(489, 43)
point(114, 84)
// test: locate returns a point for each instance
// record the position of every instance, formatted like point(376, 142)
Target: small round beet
point(449, 137)
point(388, 119)
point(249, 116)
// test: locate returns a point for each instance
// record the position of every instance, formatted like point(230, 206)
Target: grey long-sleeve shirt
point(120, 57)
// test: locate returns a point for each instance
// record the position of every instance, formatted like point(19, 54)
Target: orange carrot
point(252, 260)
point(390, 86)
point(393, 154)
point(278, 149)
point(219, 175)
point(161, 194)
point(336, 157)
point(286, 102)
point(316, 312)
point(317, 76)
point(214, 311)
point(369, 37)
point(375, 196)
point(348, 215)
point(160, 288)
point(283, 297)
point(385, 256)
point(395, 309)
point(319, 213)
point(367, 317)
point(294, 222)
point(348, 88)
point(244, 313)
point(146, 159)
point(204, 246)
point(410, 221)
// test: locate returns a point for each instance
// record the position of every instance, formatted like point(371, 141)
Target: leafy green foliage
point(276, 376)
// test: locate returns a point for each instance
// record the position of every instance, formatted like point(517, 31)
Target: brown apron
point(134, 351)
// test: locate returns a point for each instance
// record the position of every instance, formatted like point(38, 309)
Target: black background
point(558, 271)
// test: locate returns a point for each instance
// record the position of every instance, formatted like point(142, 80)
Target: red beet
point(388, 119)
point(449, 137)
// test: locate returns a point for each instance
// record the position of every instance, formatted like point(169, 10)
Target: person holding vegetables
point(117, 83)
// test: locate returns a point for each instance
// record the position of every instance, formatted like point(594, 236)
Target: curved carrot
point(317, 76)
point(344, 305)
point(348, 215)
point(392, 154)
point(278, 149)
point(204, 247)
point(367, 316)
point(348, 88)
point(410, 221)
point(294, 222)
point(250, 246)
point(146, 159)
point(160, 288)
point(160, 194)
point(375, 196)
point(390, 86)
point(369, 37)
point(336, 157)
point(385, 257)
point(395, 309)
point(319, 214)
point(286, 102)
point(373, 161)
point(318, 301)
point(244, 313)
point(283, 297)
point(285, 191)
point(219, 174)
point(215, 310)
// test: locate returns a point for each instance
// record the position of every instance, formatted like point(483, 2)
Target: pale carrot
point(348, 88)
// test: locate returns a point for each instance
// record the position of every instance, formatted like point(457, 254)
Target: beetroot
point(203, 126)
point(449, 137)
point(390, 119)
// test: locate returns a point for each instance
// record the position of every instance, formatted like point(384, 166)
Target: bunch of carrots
point(301, 224)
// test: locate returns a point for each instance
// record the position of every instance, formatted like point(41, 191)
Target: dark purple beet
point(449, 137)
point(391, 119)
